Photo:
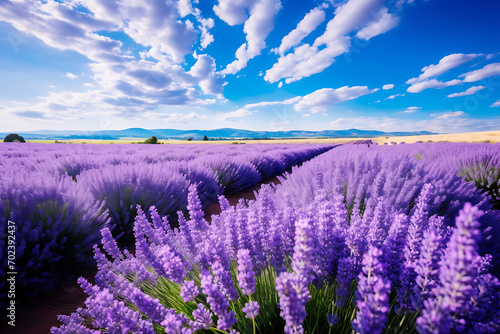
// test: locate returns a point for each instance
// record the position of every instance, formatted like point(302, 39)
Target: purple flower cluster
point(251, 309)
point(462, 285)
point(292, 287)
point(293, 297)
point(372, 294)
point(246, 275)
point(189, 291)
point(59, 196)
point(355, 216)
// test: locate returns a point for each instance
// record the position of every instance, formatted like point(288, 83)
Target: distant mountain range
point(226, 133)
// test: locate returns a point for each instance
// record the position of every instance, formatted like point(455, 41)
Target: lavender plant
point(256, 296)
point(56, 224)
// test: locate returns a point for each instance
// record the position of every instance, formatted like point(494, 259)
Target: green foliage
point(268, 320)
point(152, 140)
point(486, 177)
point(13, 137)
point(190, 139)
point(205, 137)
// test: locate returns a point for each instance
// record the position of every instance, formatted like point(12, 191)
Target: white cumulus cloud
point(234, 115)
point(71, 75)
point(383, 22)
point(125, 82)
point(432, 83)
point(449, 115)
point(307, 25)
point(257, 27)
point(445, 64)
point(441, 123)
point(483, 73)
point(322, 99)
point(306, 60)
point(273, 103)
point(427, 78)
point(496, 104)
point(469, 91)
point(391, 97)
point(410, 110)
point(388, 86)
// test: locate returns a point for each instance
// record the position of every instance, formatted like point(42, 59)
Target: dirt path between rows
point(40, 318)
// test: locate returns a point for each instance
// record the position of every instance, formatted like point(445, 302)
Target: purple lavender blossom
point(115, 315)
point(418, 222)
point(332, 319)
point(148, 305)
point(347, 272)
point(246, 275)
point(458, 270)
point(222, 276)
point(329, 237)
point(72, 324)
point(189, 291)
point(276, 243)
point(427, 268)
point(433, 319)
point(356, 235)
point(169, 264)
point(256, 236)
point(226, 321)
point(142, 251)
point(392, 247)
point(215, 298)
point(202, 317)
point(174, 322)
point(372, 294)
point(197, 223)
point(251, 309)
point(109, 244)
point(304, 248)
point(293, 297)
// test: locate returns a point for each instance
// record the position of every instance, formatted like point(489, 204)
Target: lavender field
point(355, 238)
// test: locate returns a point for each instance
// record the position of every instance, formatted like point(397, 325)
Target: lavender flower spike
point(189, 291)
point(202, 317)
point(372, 295)
point(170, 264)
point(174, 322)
point(215, 298)
point(304, 248)
point(109, 244)
point(459, 268)
point(292, 298)
point(246, 275)
point(427, 267)
point(251, 309)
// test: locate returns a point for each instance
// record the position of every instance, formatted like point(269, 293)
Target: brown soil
point(40, 318)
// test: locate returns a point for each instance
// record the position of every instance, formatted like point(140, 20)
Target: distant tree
point(152, 140)
point(205, 137)
point(189, 139)
point(12, 137)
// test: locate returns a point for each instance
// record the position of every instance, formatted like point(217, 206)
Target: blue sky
point(399, 65)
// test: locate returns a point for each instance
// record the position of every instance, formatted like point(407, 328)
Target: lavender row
point(358, 238)
point(60, 196)
point(477, 163)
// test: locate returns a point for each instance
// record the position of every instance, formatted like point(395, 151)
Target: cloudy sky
point(397, 65)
